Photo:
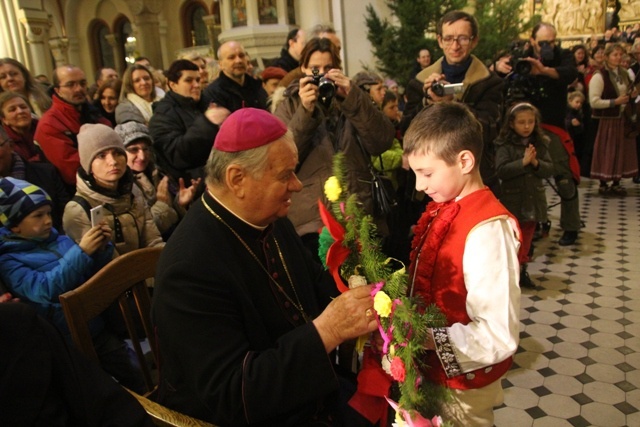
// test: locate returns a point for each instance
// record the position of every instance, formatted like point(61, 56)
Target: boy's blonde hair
point(575, 94)
point(444, 130)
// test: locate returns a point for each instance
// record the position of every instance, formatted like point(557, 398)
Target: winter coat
point(136, 226)
point(45, 176)
point(286, 61)
point(23, 143)
point(57, 135)
point(225, 92)
point(482, 93)
point(182, 137)
point(165, 216)
point(319, 135)
point(523, 192)
point(38, 271)
point(127, 112)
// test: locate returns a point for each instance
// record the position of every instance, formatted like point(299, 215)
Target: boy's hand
point(96, 238)
point(7, 297)
point(575, 122)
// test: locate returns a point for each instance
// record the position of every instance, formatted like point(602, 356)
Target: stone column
point(13, 43)
point(225, 14)
point(118, 54)
point(166, 56)
point(60, 50)
point(283, 13)
point(213, 30)
point(36, 24)
point(148, 34)
point(73, 52)
point(253, 15)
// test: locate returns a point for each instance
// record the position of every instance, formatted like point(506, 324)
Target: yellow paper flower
point(332, 189)
point(382, 304)
point(399, 421)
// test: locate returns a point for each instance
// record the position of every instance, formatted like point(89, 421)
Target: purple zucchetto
point(248, 128)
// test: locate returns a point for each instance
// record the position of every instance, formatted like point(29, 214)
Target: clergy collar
point(256, 227)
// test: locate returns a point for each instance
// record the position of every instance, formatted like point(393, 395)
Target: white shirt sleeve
point(491, 275)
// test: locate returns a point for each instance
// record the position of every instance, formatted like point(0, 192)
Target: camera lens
point(326, 88)
point(437, 88)
point(522, 67)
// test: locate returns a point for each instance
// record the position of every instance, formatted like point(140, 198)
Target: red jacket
point(57, 135)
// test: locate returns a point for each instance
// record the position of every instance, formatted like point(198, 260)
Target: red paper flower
point(397, 369)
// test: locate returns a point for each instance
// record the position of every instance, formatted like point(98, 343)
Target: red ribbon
point(336, 254)
point(373, 387)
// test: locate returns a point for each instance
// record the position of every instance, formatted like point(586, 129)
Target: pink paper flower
point(415, 419)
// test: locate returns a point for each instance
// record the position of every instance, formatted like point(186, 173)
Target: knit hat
point(131, 132)
point(18, 199)
point(390, 83)
point(94, 139)
point(248, 128)
point(272, 73)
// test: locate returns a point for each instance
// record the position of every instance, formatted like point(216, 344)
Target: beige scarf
point(141, 104)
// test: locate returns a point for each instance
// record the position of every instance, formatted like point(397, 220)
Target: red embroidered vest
point(441, 281)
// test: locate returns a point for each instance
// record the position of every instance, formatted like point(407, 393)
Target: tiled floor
point(579, 358)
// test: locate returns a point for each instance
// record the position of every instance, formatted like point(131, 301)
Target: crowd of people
point(225, 166)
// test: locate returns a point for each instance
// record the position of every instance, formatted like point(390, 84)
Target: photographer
point(552, 70)
point(544, 85)
point(327, 114)
point(481, 90)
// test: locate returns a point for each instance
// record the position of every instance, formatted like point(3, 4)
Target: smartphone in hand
point(97, 215)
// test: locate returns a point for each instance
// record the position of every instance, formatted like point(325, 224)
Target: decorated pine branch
point(351, 249)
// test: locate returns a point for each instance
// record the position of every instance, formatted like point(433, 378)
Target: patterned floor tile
point(579, 358)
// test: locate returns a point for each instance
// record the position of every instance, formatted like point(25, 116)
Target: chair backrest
point(122, 278)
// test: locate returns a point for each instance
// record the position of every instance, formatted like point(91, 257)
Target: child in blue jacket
point(38, 264)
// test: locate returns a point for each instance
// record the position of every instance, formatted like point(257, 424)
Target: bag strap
point(367, 156)
point(83, 203)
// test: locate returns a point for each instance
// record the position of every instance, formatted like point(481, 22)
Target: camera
point(520, 84)
point(518, 64)
point(441, 89)
point(326, 87)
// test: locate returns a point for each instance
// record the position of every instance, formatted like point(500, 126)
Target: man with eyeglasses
point(59, 126)
point(457, 34)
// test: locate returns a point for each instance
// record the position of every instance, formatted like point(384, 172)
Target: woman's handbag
point(382, 192)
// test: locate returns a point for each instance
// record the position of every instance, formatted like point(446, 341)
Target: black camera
point(441, 89)
point(518, 64)
point(326, 87)
point(520, 84)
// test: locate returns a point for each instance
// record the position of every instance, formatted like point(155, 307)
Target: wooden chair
point(165, 417)
point(124, 276)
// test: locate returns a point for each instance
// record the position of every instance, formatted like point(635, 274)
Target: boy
point(464, 259)
point(38, 264)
